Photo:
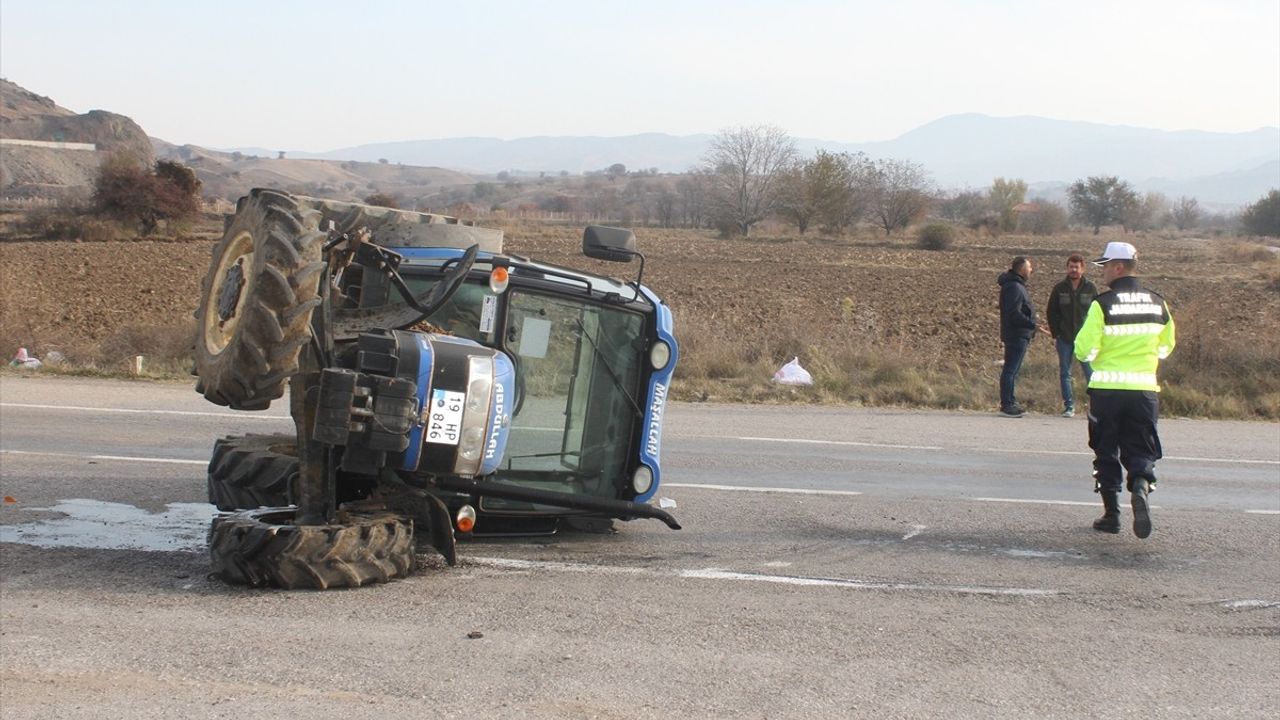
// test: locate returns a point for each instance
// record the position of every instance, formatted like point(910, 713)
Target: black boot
point(1110, 520)
point(1141, 510)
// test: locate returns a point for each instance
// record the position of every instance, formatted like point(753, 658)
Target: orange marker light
point(465, 520)
point(498, 279)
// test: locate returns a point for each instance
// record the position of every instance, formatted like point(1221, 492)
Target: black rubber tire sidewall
point(263, 547)
point(250, 367)
point(251, 471)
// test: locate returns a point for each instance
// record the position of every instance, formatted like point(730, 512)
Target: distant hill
point(47, 172)
point(1223, 169)
point(68, 174)
point(958, 150)
point(229, 175)
point(533, 155)
point(971, 149)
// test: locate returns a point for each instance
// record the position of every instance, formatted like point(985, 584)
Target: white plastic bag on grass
point(23, 360)
point(793, 374)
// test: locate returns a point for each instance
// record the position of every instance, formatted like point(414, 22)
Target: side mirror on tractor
point(609, 243)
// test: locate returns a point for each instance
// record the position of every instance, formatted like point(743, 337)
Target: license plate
point(444, 417)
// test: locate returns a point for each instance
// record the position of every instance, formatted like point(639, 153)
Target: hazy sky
point(320, 75)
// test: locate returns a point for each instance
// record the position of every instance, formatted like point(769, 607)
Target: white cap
point(1117, 251)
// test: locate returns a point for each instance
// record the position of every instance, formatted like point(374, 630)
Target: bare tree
point(1185, 213)
point(129, 192)
point(744, 166)
point(898, 192)
point(1045, 218)
point(692, 189)
point(1145, 212)
point(971, 207)
point(664, 206)
point(636, 198)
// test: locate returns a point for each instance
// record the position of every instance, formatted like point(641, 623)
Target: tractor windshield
point(579, 378)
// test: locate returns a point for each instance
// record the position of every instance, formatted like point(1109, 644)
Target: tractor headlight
point(642, 479)
point(475, 417)
point(659, 355)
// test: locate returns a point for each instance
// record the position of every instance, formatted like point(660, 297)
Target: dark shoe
point(1110, 520)
point(1141, 509)
point(1012, 411)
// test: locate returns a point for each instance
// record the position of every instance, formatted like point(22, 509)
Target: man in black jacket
point(1068, 305)
point(1017, 327)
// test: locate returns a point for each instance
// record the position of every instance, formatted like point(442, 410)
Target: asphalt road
point(835, 562)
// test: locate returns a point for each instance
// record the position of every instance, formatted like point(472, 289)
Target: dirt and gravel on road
point(756, 300)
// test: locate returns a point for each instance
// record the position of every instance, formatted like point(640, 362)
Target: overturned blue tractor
point(438, 387)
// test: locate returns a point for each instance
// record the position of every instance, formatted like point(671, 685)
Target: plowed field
point(777, 295)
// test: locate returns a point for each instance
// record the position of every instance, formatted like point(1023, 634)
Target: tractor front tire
point(264, 547)
point(252, 471)
point(257, 299)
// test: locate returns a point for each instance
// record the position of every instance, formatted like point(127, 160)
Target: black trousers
point(1122, 433)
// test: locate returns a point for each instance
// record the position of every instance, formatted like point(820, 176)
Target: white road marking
point(715, 574)
point(516, 564)
point(119, 458)
point(134, 411)
point(1263, 512)
point(1043, 502)
point(850, 443)
point(744, 488)
point(1083, 453)
point(914, 531)
point(1249, 604)
point(832, 442)
point(718, 574)
point(1002, 451)
point(1242, 461)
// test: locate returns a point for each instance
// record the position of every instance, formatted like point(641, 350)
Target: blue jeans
point(1066, 354)
point(1015, 350)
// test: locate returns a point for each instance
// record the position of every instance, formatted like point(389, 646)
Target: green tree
point(1004, 196)
point(1263, 216)
point(816, 190)
point(1100, 200)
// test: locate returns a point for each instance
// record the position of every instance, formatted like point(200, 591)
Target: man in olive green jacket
point(1126, 334)
point(1068, 304)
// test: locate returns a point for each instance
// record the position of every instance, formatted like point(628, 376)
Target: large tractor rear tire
point(263, 547)
point(257, 300)
point(252, 471)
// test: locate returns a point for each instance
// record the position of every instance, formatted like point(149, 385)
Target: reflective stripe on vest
point(1134, 329)
point(1119, 377)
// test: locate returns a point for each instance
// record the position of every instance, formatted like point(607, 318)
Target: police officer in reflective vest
point(1125, 335)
